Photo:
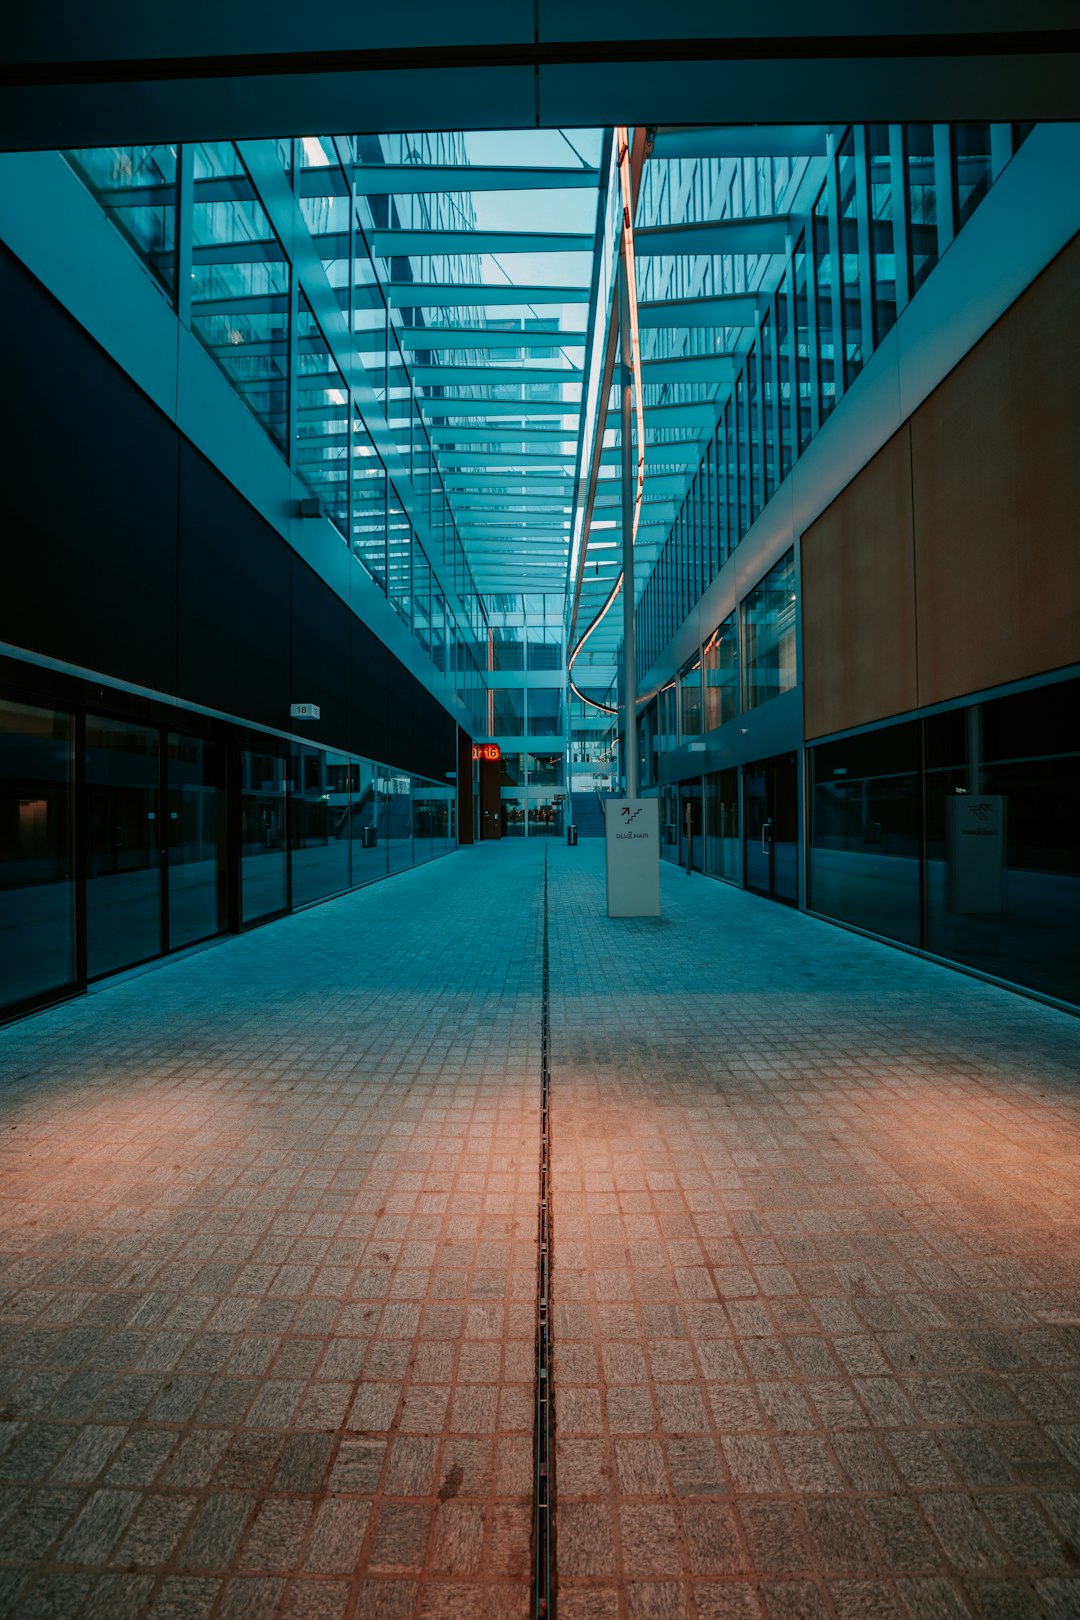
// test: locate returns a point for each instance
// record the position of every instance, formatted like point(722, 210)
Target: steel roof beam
point(478, 461)
point(440, 294)
point(473, 405)
point(477, 337)
point(689, 368)
point(724, 309)
point(493, 376)
point(695, 414)
point(740, 140)
point(399, 243)
point(417, 178)
point(498, 436)
point(713, 238)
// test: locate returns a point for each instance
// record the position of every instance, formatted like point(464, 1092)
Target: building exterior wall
point(949, 564)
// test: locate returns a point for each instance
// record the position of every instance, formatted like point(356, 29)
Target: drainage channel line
point(544, 1480)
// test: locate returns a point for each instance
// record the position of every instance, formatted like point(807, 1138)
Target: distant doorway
point(690, 827)
point(771, 828)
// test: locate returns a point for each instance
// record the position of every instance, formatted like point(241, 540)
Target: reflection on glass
point(506, 706)
point(438, 628)
point(804, 404)
point(263, 874)
point(545, 770)
point(850, 283)
point(971, 167)
point(922, 202)
point(396, 817)
point(742, 459)
point(769, 634)
point(136, 186)
point(823, 286)
point(770, 828)
point(669, 823)
point(319, 818)
point(123, 875)
point(753, 405)
point(322, 420)
point(1002, 856)
point(864, 832)
point(545, 711)
point(240, 285)
point(768, 406)
point(421, 592)
point(426, 821)
point(720, 664)
point(37, 908)
point(399, 551)
point(544, 646)
point(198, 891)
point(368, 523)
point(545, 818)
point(690, 698)
point(882, 230)
point(721, 816)
point(370, 854)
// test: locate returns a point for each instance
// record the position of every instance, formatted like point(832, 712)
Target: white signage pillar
point(632, 838)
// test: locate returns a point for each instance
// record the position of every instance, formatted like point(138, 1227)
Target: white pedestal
point(632, 837)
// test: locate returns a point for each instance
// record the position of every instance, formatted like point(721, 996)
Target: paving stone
point(873, 1160)
point(267, 1270)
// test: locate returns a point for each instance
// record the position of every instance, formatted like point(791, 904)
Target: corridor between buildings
point(269, 1269)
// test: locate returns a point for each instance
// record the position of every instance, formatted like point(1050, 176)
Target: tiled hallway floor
point(267, 1241)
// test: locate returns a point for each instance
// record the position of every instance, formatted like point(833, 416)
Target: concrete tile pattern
point(267, 1270)
point(267, 1286)
point(816, 1272)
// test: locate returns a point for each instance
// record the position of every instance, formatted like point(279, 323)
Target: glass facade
point(252, 305)
point(184, 837)
point(689, 689)
point(874, 231)
point(864, 840)
point(957, 834)
point(123, 875)
point(768, 616)
point(136, 186)
point(196, 827)
point(37, 898)
point(720, 811)
point(720, 669)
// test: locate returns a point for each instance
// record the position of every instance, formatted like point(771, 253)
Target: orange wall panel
point(996, 499)
point(858, 599)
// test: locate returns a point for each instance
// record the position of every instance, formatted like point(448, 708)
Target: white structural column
point(632, 825)
point(626, 380)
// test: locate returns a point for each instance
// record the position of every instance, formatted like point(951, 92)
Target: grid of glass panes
point(876, 227)
point(254, 313)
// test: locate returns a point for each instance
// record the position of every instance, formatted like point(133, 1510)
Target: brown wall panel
point(996, 481)
point(858, 599)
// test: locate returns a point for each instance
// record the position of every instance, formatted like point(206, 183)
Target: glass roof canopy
point(716, 210)
point(494, 253)
point(483, 246)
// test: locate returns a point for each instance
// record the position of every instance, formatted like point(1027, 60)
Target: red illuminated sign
point(486, 751)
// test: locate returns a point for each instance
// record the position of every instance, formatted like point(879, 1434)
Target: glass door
point(690, 829)
point(198, 889)
point(37, 898)
point(123, 872)
point(264, 878)
point(771, 828)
